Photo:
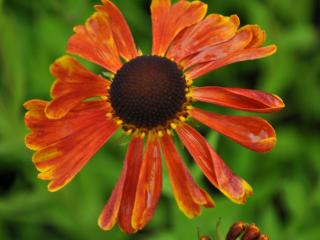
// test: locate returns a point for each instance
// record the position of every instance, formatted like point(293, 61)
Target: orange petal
point(251, 132)
point(74, 83)
point(237, 56)
point(213, 166)
point(219, 51)
point(159, 12)
point(168, 21)
point(149, 185)
point(188, 195)
point(95, 42)
point(120, 205)
point(64, 146)
point(48, 131)
point(134, 161)
point(213, 30)
point(241, 99)
point(35, 105)
point(109, 215)
point(258, 36)
point(120, 29)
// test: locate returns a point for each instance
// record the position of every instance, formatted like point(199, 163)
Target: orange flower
point(150, 97)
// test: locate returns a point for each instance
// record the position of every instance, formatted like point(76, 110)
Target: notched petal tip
point(247, 192)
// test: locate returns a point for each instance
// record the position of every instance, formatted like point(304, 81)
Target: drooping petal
point(213, 166)
point(238, 56)
point(95, 42)
point(168, 21)
point(240, 99)
point(251, 132)
point(213, 30)
point(188, 195)
point(120, 205)
point(134, 161)
point(74, 83)
point(64, 146)
point(149, 185)
point(120, 29)
point(109, 215)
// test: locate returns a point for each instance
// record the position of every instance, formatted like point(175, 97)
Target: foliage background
point(286, 203)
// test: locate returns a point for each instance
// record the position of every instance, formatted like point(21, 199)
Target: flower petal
point(120, 29)
point(168, 21)
point(48, 131)
point(74, 83)
point(159, 12)
point(134, 160)
point(240, 41)
point(95, 42)
point(109, 215)
point(240, 99)
point(149, 185)
point(238, 56)
point(213, 30)
point(120, 205)
point(64, 146)
point(213, 166)
point(259, 36)
point(251, 132)
point(245, 45)
point(188, 195)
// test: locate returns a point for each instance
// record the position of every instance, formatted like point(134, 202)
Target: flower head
point(150, 98)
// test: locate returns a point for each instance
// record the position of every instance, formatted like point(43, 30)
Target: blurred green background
point(286, 201)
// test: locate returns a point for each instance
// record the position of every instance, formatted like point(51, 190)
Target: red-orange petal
point(64, 146)
point(109, 215)
point(240, 99)
point(213, 166)
point(188, 195)
point(95, 42)
point(120, 205)
point(213, 30)
point(134, 162)
point(149, 185)
point(251, 132)
point(168, 21)
point(240, 41)
point(259, 36)
point(74, 83)
point(48, 131)
point(237, 56)
point(120, 29)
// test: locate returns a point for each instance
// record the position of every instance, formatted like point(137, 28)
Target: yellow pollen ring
point(119, 122)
